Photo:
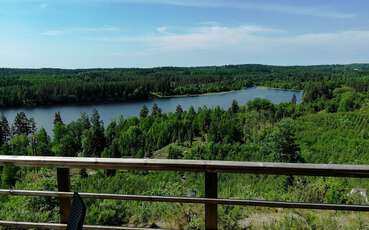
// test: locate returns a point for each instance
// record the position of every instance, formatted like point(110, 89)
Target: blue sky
point(147, 33)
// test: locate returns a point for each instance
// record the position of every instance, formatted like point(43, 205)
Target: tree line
point(32, 87)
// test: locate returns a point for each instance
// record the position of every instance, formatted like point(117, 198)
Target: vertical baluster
point(63, 178)
point(211, 210)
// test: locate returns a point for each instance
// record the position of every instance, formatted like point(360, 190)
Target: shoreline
point(196, 95)
point(282, 89)
point(153, 96)
point(221, 92)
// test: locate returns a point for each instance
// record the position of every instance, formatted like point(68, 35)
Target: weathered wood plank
point(211, 210)
point(191, 165)
point(53, 226)
point(192, 200)
point(63, 180)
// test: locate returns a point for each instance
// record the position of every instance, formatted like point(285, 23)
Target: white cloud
point(205, 45)
point(209, 37)
point(208, 45)
point(201, 37)
point(327, 11)
point(81, 30)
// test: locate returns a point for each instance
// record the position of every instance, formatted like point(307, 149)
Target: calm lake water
point(44, 115)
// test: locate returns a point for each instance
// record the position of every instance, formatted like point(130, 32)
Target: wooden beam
point(63, 179)
point(53, 226)
point(191, 165)
point(192, 200)
point(211, 210)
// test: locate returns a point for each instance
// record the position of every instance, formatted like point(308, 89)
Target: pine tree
point(155, 110)
point(144, 112)
point(85, 121)
point(4, 130)
point(235, 108)
point(294, 100)
point(23, 125)
point(179, 109)
point(98, 133)
point(57, 118)
point(41, 143)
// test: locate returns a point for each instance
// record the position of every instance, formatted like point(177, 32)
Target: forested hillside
point(331, 125)
point(31, 87)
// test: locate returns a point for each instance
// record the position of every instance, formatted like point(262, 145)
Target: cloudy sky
point(146, 33)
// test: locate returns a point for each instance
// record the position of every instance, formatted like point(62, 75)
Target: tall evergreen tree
point(57, 118)
point(4, 130)
point(85, 121)
point(294, 100)
point(179, 109)
point(41, 145)
point(155, 110)
point(23, 125)
point(98, 133)
point(235, 108)
point(144, 112)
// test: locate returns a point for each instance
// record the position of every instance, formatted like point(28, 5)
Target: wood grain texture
point(191, 200)
point(191, 165)
point(53, 226)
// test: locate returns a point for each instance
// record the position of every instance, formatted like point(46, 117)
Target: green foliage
point(4, 130)
point(40, 143)
point(31, 87)
point(23, 125)
point(144, 112)
point(260, 104)
point(330, 126)
point(279, 144)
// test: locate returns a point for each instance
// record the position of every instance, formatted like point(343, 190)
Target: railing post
point(211, 210)
point(63, 178)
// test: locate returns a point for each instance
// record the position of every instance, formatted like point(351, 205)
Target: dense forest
point(31, 87)
point(331, 125)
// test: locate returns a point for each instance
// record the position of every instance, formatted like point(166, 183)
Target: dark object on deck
point(77, 213)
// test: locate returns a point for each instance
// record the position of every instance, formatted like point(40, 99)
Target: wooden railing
point(211, 169)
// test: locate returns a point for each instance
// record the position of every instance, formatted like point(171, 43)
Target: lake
point(44, 116)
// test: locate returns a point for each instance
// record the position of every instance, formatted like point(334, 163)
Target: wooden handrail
point(209, 168)
point(333, 170)
point(191, 200)
point(54, 226)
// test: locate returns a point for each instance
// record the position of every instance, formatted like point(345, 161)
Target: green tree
point(155, 110)
point(93, 139)
point(23, 125)
point(17, 146)
point(260, 104)
point(4, 130)
point(85, 121)
point(179, 109)
point(88, 144)
point(280, 144)
point(234, 107)
point(144, 112)
point(40, 143)
point(294, 99)
point(64, 144)
point(57, 118)
point(131, 142)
